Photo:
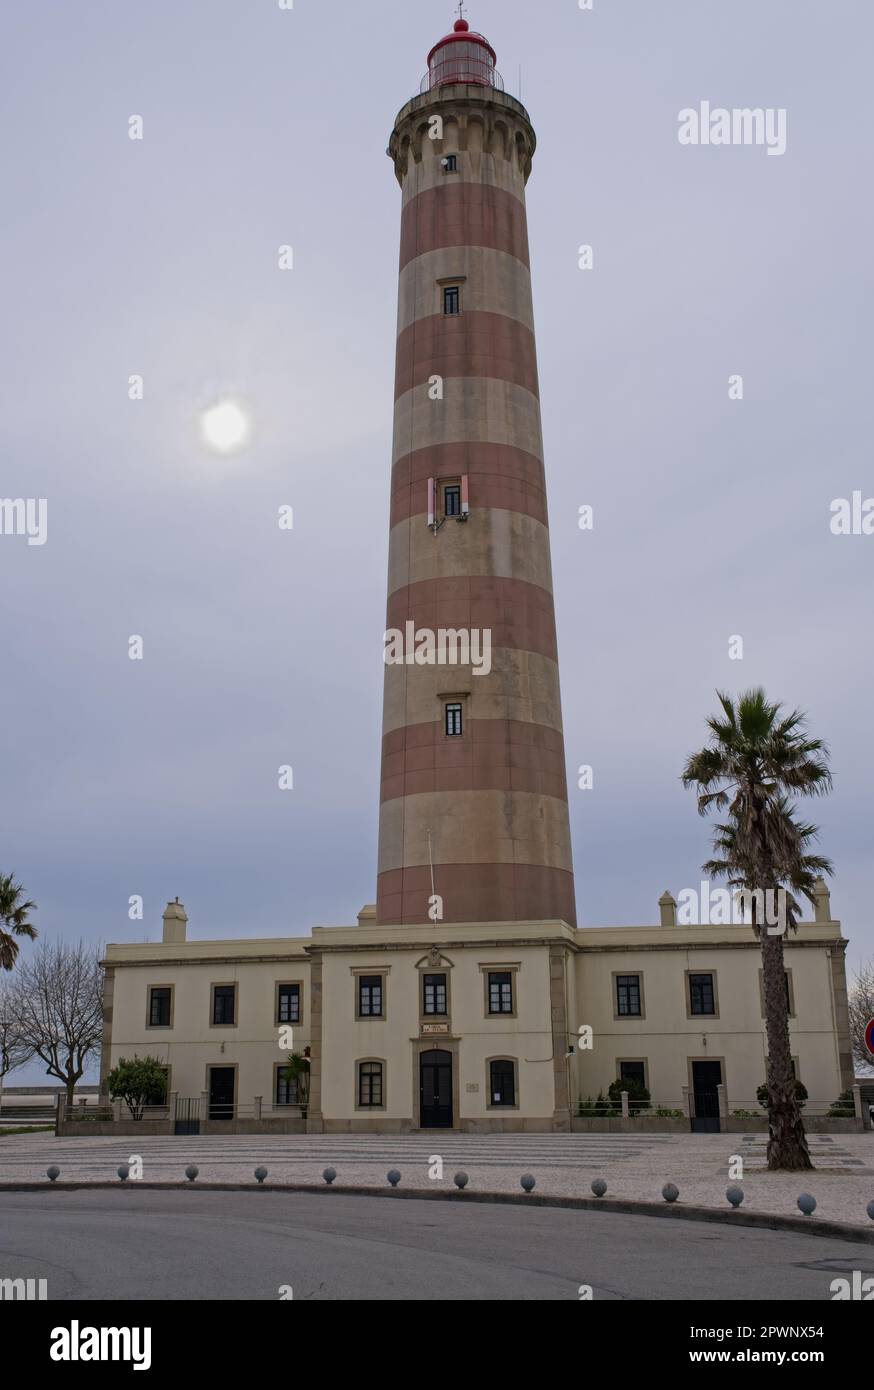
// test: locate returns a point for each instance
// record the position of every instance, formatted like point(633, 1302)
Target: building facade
point(478, 1027)
point(466, 997)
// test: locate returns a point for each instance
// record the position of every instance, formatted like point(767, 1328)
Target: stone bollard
point(599, 1187)
point(393, 1176)
point(123, 1171)
point(191, 1172)
point(329, 1174)
point(670, 1192)
point(461, 1181)
point(260, 1174)
point(807, 1204)
point(735, 1195)
point(53, 1173)
point(527, 1181)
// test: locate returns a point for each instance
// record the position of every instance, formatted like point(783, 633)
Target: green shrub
point(744, 1115)
point(842, 1108)
point(139, 1082)
point(638, 1096)
point(595, 1109)
point(665, 1114)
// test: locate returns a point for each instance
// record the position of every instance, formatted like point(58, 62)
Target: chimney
point(175, 919)
point(823, 906)
point(667, 910)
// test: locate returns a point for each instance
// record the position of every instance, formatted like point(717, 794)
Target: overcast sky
point(265, 127)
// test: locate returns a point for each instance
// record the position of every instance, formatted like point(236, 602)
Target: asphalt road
point(126, 1244)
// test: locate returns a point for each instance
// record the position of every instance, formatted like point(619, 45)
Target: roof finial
point(461, 9)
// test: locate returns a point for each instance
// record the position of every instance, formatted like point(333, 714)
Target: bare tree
point(14, 1052)
point(59, 1007)
point(861, 1009)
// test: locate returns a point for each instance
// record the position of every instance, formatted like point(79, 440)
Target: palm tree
point(758, 757)
point(298, 1073)
point(13, 915)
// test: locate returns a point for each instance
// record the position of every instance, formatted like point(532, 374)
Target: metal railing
point(462, 72)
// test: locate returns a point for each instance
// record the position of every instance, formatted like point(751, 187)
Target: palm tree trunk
point(787, 1145)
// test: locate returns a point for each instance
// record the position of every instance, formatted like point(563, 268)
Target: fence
point(181, 1115)
point(710, 1110)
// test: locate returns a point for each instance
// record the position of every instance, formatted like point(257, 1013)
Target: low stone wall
point(813, 1124)
point(110, 1129)
point(650, 1124)
point(279, 1124)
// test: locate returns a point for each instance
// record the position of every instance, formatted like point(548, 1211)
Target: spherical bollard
point(670, 1192)
point(191, 1172)
point(527, 1181)
point(807, 1204)
point(461, 1181)
point(393, 1176)
point(260, 1174)
point(735, 1195)
point(329, 1174)
point(123, 1171)
point(599, 1187)
point(869, 1208)
point(53, 1173)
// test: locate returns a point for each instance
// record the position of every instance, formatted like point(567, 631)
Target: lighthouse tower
point(474, 812)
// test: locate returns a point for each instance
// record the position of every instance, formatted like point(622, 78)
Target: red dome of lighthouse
point(462, 57)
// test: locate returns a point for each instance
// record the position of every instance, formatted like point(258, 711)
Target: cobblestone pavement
point(633, 1167)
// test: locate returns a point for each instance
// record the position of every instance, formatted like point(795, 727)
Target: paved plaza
point(563, 1165)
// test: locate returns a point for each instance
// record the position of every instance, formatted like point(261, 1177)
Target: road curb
point(675, 1211)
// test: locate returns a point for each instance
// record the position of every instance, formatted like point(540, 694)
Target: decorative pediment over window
point(434, 960)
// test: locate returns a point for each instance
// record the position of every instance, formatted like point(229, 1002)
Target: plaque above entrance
point(434, 1027)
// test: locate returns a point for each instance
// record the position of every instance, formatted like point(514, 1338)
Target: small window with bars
point(453, 721)
point(450, 164)
point(452, 499)
point(451, 299)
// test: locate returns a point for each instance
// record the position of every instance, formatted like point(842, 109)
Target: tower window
point(452, 500)
point(453, 720)
point(451, 299)
point(450, 164)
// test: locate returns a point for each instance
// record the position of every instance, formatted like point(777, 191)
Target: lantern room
point(462, 57)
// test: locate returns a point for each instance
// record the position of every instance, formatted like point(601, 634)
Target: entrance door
point(435, 1090)
point(221, 1093)
point(706, 1076)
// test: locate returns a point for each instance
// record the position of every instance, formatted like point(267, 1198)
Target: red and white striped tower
point(482, 815)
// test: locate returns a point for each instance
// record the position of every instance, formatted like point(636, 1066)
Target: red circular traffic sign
point(869, 1036)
